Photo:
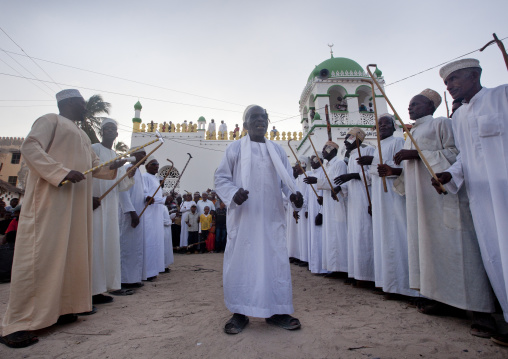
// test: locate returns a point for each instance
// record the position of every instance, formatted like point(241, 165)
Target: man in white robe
point(389, 215)
point(154, 221)
point(204, 202)
point(335, 243)
point(303, 221)
point(211, 127)
point(223, 130)
point(315, 231)
point(359, 221)
point(106, 268)
point(52, 268)
point(185, 209)
point(250, 180)
point(292, 227)
point(168, 240)
point(132, 238)
point(479, 126)
point(444, 257)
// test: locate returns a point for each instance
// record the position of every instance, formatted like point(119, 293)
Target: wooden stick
point(501, 47)
point(446, 103)
point(157, 190)
point(190, 245)
point(114, 159)
point(299, 164)
point(133, 168)
point(363, 172)
point(181, 174)
point(334, 195)
point(422, 157)
point(380, 153)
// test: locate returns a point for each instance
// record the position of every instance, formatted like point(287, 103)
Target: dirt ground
point(182, 314)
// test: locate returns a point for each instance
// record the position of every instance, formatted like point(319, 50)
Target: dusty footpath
point(182, 314)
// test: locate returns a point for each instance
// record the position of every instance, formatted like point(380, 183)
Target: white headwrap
point(106, 120)
point(150, 159)
point(447, 69)
point(391, 117)
point(65, 94)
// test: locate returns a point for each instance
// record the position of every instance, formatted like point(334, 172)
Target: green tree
point(121, 147)
point(95, 106)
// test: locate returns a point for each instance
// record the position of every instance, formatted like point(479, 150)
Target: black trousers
point(193, 238)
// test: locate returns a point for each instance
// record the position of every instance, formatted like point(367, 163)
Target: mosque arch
point(364, 93)
point(337, 93)
point(171, 180)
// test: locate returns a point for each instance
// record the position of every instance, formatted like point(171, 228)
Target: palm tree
point(92, 123)
point(121, 147)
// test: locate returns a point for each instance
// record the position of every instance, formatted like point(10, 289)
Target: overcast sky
point(213, 58)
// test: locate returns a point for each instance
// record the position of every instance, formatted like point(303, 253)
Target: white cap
point(106, 120)
point(150, 159)
point(447, 69)
point(65, 94)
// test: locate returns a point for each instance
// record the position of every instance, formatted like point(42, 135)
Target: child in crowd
point(206, 223)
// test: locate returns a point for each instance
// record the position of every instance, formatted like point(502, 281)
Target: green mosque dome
point(340, 65)
point(201, 119)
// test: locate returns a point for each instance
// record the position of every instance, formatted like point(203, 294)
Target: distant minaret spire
point(331, 50)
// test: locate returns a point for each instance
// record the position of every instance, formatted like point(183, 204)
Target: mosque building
point(339, 83)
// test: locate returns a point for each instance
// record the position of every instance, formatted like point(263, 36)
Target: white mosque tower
point(341, 84)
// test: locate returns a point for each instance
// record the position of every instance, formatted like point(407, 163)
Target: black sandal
point(236, 324)
point(284, 321)
point(21, 339)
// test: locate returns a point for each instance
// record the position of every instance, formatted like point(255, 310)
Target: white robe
point(202, 204)
point(168, 239)
point(480, 129)
point(211, 127)
point(257, 277)
point(359, 224)
point(389, 226)
point(184, 233)
point(223, 128)
point(303, 223)
point(292, 230)
point(132, 240)
point(335, 243)
point(444, 257)
point(315, 233)
point(154, 228)
point(106, 262)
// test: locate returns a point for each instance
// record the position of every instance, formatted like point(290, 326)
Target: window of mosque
point(16, 157)
point(171, 180)
point(13, 180)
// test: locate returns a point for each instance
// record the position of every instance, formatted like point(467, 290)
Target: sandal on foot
point(67, 319)
point(101, 299)
point(481, 331)
point(284, 321)
point(122, 291)
point(236, 324)
point(21, 339)
point(132, 285)
point(93, 311)
point(500, 339)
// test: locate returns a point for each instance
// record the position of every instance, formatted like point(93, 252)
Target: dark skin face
point(109, 134)
point(14, 202)
point(204, 195)
point(420, 106)
point(328, 155)
point(463, 83)
point(73, 108)
point(386, 127)
point(152, 167)
point(314, 164)
point(196, 198)
point(350, 146)
point(256, 124)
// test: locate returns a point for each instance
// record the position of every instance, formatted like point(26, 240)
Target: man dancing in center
point(251, 178)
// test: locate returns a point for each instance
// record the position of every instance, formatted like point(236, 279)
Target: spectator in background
point(192, 221)
point(362, 107)
point(236, 131)
point(206, 223)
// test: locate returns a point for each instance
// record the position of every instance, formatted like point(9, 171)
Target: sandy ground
point(182, 314)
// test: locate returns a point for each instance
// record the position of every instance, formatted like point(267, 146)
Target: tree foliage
point(95, 106)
